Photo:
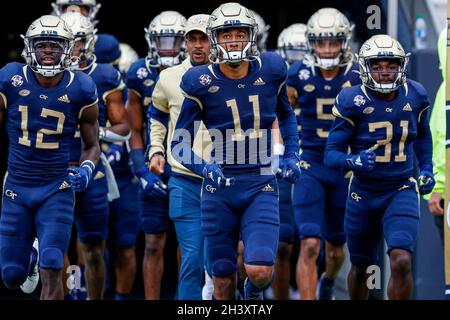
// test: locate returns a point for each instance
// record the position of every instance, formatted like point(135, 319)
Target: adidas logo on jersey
point(259, 82)
point(407, 107)
point(99, 175)
point(64, 185)
point(64, 98)
point(268, 188)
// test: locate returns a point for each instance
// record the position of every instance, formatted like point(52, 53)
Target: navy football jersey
point(41, 122)
point(141, 81)
point(316, 98)
point(241, 110)
point(393, 125)
point(108, 80)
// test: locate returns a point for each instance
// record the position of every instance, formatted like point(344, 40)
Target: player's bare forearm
point(276, 135)
point(135, 120)
point(292, 95)
point(287, 123)
point(117, 115)
point(423, 146)
point(89, 135)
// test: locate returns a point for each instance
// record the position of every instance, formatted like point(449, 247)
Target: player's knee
point(401, 263)
point(13, 276)
point(260, 276)
point(223, 267)
point(94, 255)
point(154, 247)
point(225, 285)
point(335, 253)
point(126, 256)
point(310, 247)
point(358, 272)
point(51, 258)
point(284, 251)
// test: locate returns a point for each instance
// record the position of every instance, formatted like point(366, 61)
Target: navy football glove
point(114, 153)
point(79, 177)
point(151, 184)
point(426, 179)
point(290, 168)
point(213, 173)
point(363, 161)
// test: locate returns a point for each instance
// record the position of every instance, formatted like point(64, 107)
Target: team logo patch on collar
point(142, 73)
point(213, 89)
point(359, 100)
point(368, 110)
point(148, 82)
point(205, 79)
point(17, 80)
point(309, 88)
point(24, 92)
point(304, 74)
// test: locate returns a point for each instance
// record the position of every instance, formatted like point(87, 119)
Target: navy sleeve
point(292, 79)
point(114, 78)
point(287, 123)
point(89, 90)
point(423, 146)
point(132, 81)
point(340, 136)
point(337, 144)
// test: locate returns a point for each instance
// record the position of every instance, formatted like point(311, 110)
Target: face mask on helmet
point(233, 44)
point(384, 74)
point(83, 53)
point(166, 50)
point(46, 55)
point(328, 51)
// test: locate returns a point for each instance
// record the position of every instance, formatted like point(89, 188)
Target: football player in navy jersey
point(385, 124)
point(42, 104)
point(92, 206)
point(238, 98)
point(319, 195)
point(165, 38)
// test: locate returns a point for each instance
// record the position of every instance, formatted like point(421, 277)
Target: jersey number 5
point(401, 156)
point(321, 115)
point(40, 144)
